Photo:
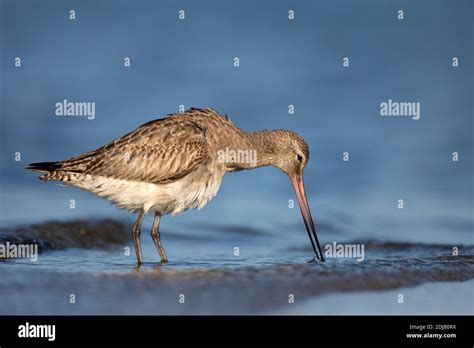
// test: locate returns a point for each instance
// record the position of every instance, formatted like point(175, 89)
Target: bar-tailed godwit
point(169, 165)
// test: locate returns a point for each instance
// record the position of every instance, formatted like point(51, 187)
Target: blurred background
point(190, 62)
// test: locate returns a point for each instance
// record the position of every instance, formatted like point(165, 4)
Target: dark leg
point(155, 234)
point(136, 236)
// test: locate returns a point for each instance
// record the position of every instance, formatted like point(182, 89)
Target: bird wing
point(160, 151)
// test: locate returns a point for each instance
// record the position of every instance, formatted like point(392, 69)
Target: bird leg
point(155, 234)
point(136, 236)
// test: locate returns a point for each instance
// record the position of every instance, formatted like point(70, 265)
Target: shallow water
point(105, 280)
point(434, 298)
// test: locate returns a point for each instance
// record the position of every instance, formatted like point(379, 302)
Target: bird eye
point(300, 158)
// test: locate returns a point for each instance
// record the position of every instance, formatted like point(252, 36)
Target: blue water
point(282, 62)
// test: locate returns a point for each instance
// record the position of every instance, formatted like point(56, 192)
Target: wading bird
point(169, 165)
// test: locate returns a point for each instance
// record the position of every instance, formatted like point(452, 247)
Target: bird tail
point(44, 166)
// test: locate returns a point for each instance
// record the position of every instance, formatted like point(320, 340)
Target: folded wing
point(159, 151)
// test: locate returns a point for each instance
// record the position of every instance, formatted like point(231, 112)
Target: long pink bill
point(298, 184)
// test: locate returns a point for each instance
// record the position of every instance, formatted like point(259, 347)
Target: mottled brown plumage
point(175, 163)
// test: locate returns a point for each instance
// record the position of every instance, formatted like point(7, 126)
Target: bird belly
point(191, 192)
point(171, 198)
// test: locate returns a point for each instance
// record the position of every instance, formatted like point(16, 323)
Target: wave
point(59, 235)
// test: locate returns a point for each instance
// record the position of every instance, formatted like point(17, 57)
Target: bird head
point(293, 155)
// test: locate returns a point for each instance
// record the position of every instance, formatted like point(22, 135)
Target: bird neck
point(265, 145)
point(250, 150)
